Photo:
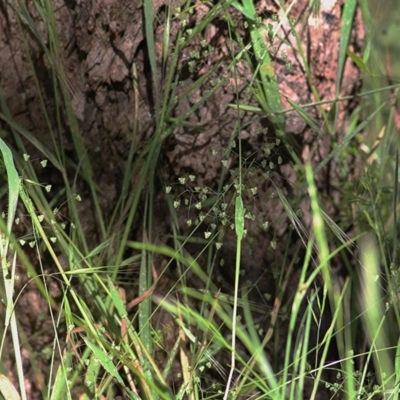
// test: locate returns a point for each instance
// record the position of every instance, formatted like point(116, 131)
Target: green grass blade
point(7, 389)
point(13, 183)
point(148, 22)
point(347, 26)
point(61, 387)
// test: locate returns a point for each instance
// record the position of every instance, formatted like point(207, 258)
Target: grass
point(177, 330)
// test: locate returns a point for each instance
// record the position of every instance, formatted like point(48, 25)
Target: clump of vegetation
point(224, 266)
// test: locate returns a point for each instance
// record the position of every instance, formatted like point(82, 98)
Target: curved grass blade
point(13, 183)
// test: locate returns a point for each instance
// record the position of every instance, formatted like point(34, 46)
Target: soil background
point(101, 43)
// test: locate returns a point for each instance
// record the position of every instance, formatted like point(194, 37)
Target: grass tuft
point(265, 267)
